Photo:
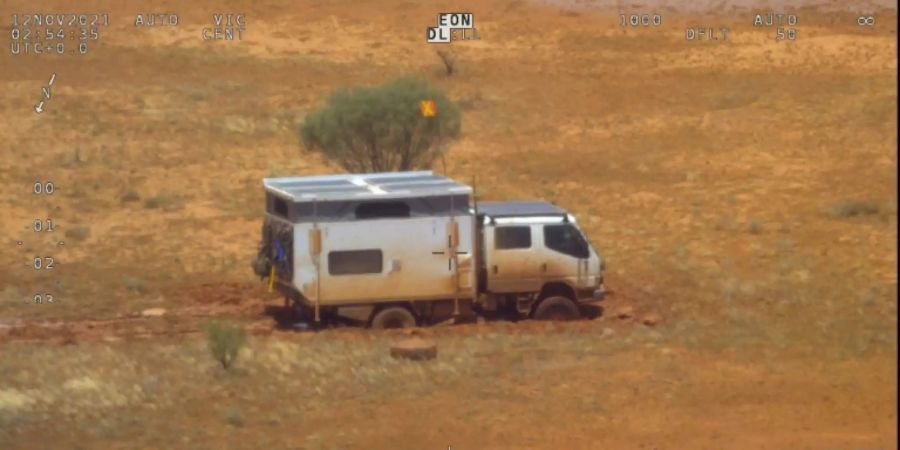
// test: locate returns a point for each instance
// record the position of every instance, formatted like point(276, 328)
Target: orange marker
point(428, 108)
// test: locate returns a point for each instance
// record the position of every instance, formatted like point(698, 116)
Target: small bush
point(725, 224)
point(134, 284)
point(234, 417)
point(225, 341)
point(754, 227)
point(162, 201)
point(78, 232)
point(155, 202)
point(130, 196)
point(855, 208)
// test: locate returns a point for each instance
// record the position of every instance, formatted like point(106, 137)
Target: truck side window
point(506, 238)
point(565, 238)
point(354, 262)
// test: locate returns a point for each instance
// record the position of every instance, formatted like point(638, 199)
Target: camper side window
point(354, 262)
point(506, 238)
point(377, 210)
point(279, 207)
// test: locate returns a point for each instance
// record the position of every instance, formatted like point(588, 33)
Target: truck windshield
point(565, 238)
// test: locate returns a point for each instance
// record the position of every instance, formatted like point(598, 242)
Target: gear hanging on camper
point(276, 249)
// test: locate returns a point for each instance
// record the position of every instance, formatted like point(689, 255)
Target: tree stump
point(416, 349)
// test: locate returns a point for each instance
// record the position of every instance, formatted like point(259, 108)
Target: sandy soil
point(743, 192)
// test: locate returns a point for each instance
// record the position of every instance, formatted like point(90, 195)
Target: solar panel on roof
point(324, 189)
point(414, 186)
point(390, 180)
point(322, 183)
point(356, 186)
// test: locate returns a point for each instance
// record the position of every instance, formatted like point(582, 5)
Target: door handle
point(494, 268)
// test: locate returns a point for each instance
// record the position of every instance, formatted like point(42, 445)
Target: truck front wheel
point(556, 308)
point(393, 317)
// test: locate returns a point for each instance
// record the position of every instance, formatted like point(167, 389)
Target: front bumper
point(592, 296)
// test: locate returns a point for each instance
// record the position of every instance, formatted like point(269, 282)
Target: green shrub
point(225, 341)
point(377, 129)
point(854, 208)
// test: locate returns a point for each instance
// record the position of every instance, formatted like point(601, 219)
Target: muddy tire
point(393, 317)
point(556, 308)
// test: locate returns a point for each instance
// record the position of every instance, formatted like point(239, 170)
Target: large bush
point(378, 129)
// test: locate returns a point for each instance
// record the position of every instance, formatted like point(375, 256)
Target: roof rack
point(519, 209)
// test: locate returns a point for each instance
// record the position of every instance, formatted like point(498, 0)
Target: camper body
point(403, 248)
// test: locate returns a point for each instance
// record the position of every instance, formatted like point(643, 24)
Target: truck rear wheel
point(556, 308)
point(393, 317)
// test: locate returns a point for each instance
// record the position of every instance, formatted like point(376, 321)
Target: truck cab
point(533, 251)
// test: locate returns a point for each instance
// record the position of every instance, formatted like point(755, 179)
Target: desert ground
point(743, 193)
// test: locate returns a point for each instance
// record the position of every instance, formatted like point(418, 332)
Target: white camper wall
point(414, 265)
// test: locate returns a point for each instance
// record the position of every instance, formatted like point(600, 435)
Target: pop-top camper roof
point(372, 186)
point(365, 196)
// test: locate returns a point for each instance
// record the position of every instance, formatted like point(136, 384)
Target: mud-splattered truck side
point(405, 248)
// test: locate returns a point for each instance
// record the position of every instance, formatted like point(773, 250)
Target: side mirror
point(315, 241)
point(453, 234)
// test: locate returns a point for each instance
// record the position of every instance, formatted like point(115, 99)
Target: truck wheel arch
point(556, 308)
point(556, 289)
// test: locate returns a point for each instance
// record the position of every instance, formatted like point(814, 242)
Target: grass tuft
point(130, 196)
point(855, 208)
point(135, 284)
point(163, 201)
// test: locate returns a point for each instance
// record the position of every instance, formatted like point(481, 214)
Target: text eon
point(452, 27)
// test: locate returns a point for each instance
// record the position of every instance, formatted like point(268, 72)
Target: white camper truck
point(406, 248)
